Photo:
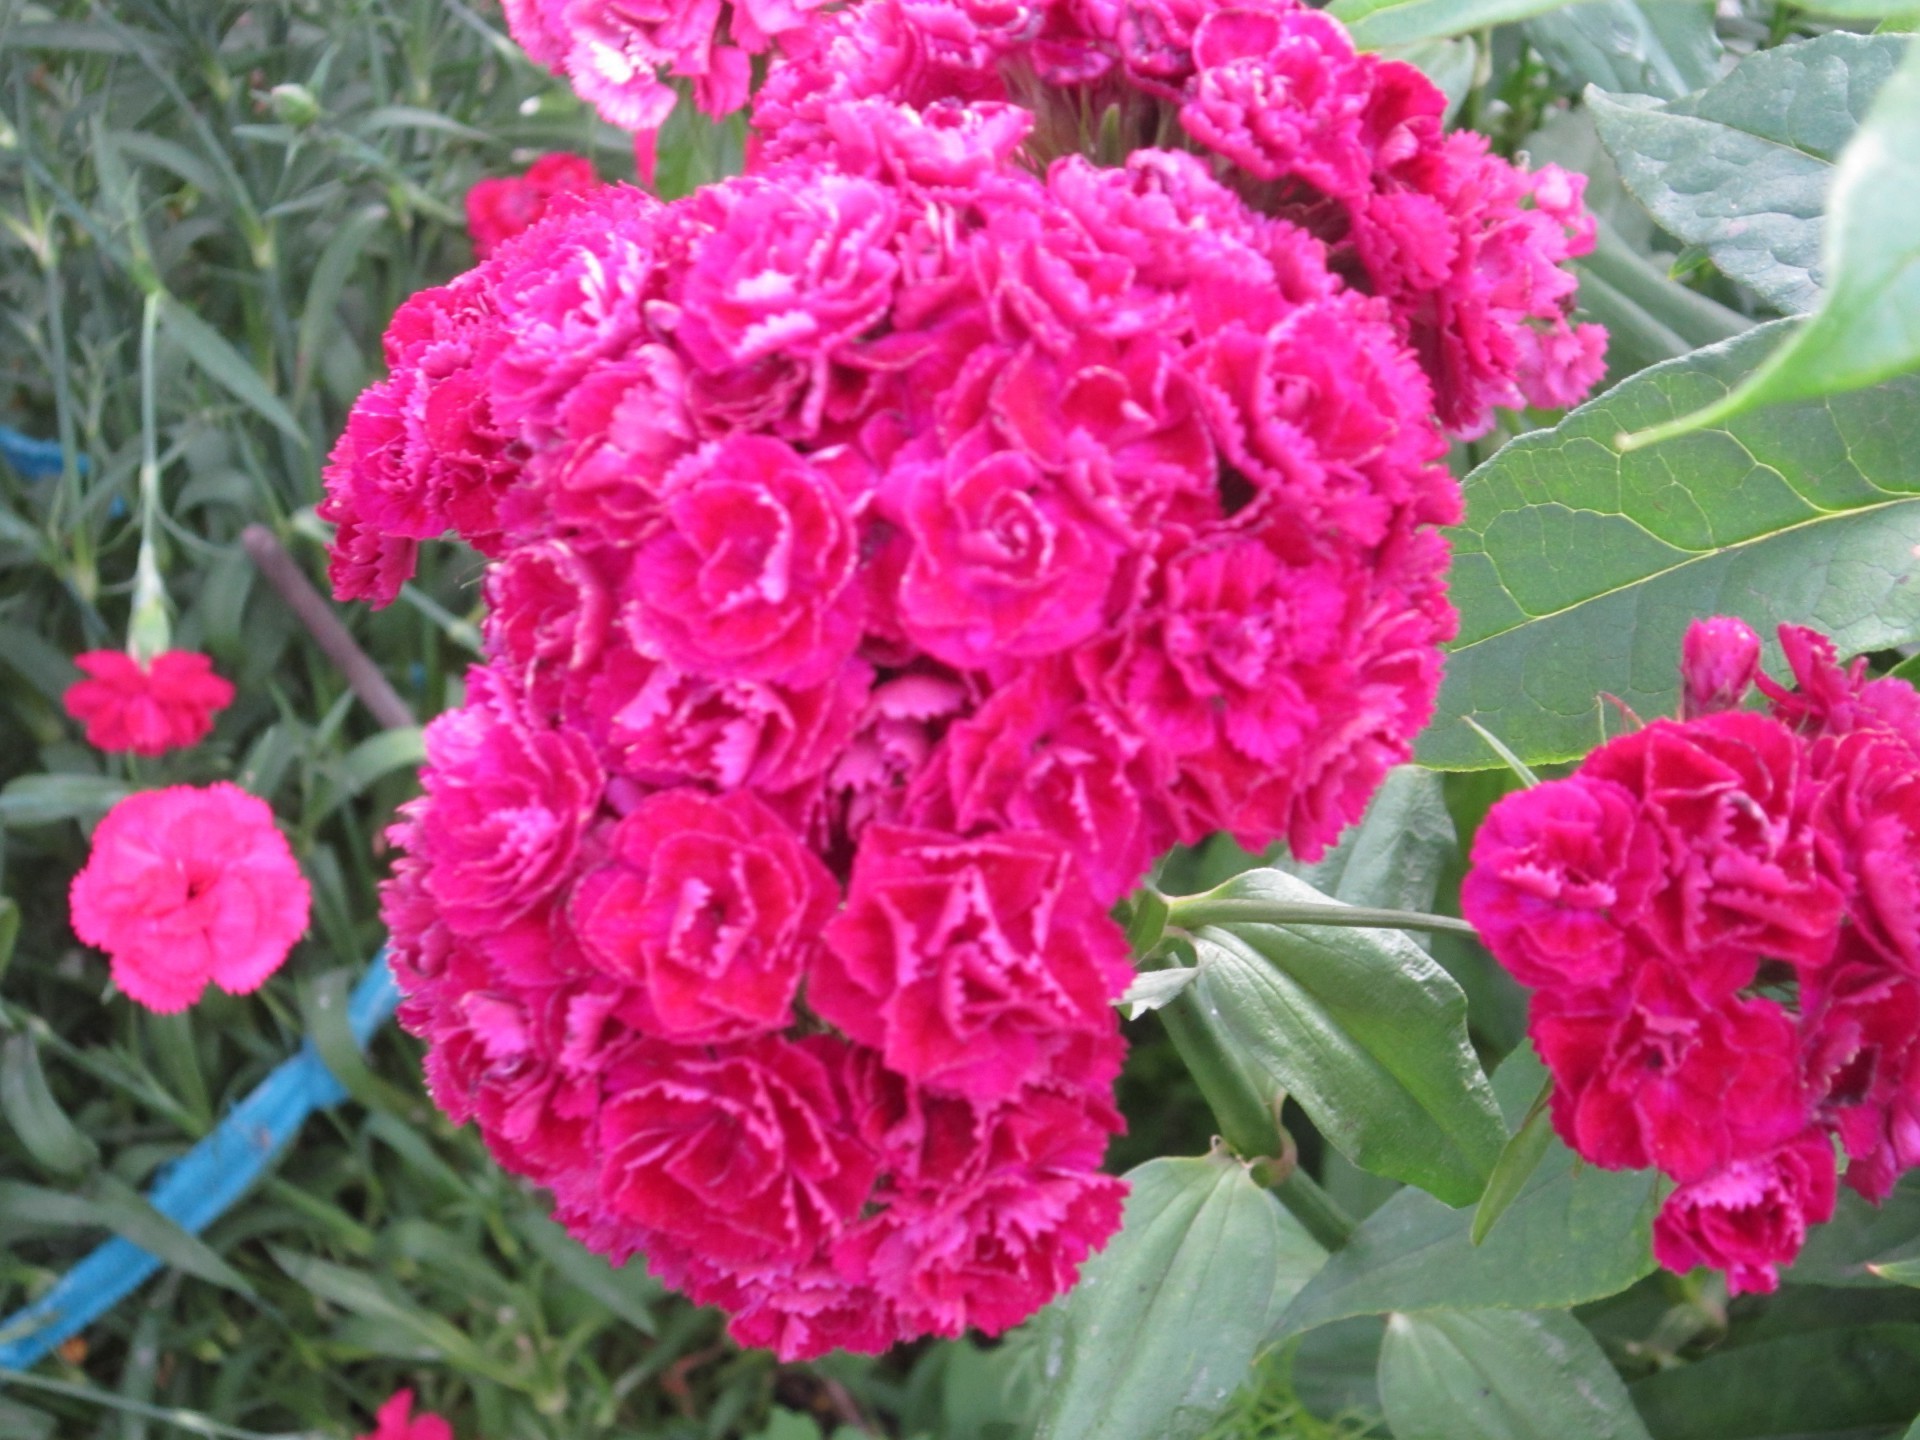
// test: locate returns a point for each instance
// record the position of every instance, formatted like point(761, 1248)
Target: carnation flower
point(1667, 896)
point(184, 886)
point(744, 1156)
point(1751, 1217)
point(499, 208)
point(969, 964)
point(713, 907)
point(163, 704)
point(395, 1420)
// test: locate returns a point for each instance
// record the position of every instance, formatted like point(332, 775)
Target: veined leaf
point(1162, 1328)
point(1572, 1234)
point(1867, 328)
point(1743, 168)
point(1577, 569)
point(1363, 1028)
point(1816, 1385)
point(1501, 1375)
point(1646, 47)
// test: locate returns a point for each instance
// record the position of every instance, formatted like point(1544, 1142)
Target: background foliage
point(268, 180)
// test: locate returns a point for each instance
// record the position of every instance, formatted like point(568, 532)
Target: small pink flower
point(186, 886)
point(395, 1420)
point(149, 709)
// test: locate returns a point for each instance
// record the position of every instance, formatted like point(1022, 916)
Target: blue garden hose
point(35, 459)
point(198, 1187)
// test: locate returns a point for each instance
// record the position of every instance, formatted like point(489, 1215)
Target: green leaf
point(9, 932)
point(226, 367)
point(1823, 1383)
point(1162, 1328)
point(1394, 858)
point(1900, 1272)
point(1743, 168)
point(1501, 1375)
point(362, 1294)
point(1577, 569)
point(1648, 47)
point(628, 1291)
point(1379, 23)
point(1518, 1161)
point(49, 1136)
point(128, 1214)
point(1152, 989)
point(1363, 1028)
point(49, 799)
point(1867, 328)
point(1571, 1235)
point(1852, 1248)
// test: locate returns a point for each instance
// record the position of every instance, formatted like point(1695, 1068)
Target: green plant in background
point(209, 212)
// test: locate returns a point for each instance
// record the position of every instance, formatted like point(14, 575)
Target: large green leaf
point(1162, 1328)
point(1867, 328)
point(1743, 168)
point(1573, 1234)
point(1362, 1027)
point(1648, 47)
point(1378, 23)
point(1820, 1385)
point(1501, 1375)
point(1577, 569)
point(1394, 858)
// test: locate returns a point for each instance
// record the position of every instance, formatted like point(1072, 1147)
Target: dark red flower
point(1750, 1218)
point(500, 207)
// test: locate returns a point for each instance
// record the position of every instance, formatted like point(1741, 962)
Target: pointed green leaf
point(1363, 1028)
point(1819, 1385)
point(1743, 168)
point(1518, 1161)
point(1577, 569)
point(42, 1126)
point(1501, 1375)
point(1855, 1247)
point(226, 367)
point(1162, 1328)
point(1394, 858)
point(49, 799)
point(1571, 1235)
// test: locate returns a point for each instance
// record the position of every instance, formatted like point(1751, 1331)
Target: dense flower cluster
point(186, 886)
point(1721, 919)
point(893, 551)
point(166, 703)
point(1464, 248)
point(500, 207)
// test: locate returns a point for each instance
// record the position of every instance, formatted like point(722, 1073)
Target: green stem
point(187, 1420)
point(1192, 911)
point(1318, 1212)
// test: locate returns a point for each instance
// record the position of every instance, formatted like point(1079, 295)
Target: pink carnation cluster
point(893, 551)
point(1721, 919)
point(1464, 248)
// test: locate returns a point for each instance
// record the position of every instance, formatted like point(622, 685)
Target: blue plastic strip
point(34, 459)
point(198, 1188)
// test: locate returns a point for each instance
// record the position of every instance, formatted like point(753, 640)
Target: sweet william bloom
point(712, 907)
point(971, 965)
point(186, 886)
point(1750, 1218)
point(395, 1420)
point(500, 207)
point(166, 704)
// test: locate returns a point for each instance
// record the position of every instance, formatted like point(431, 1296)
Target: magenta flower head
point(165, 704)
point(185, 887)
